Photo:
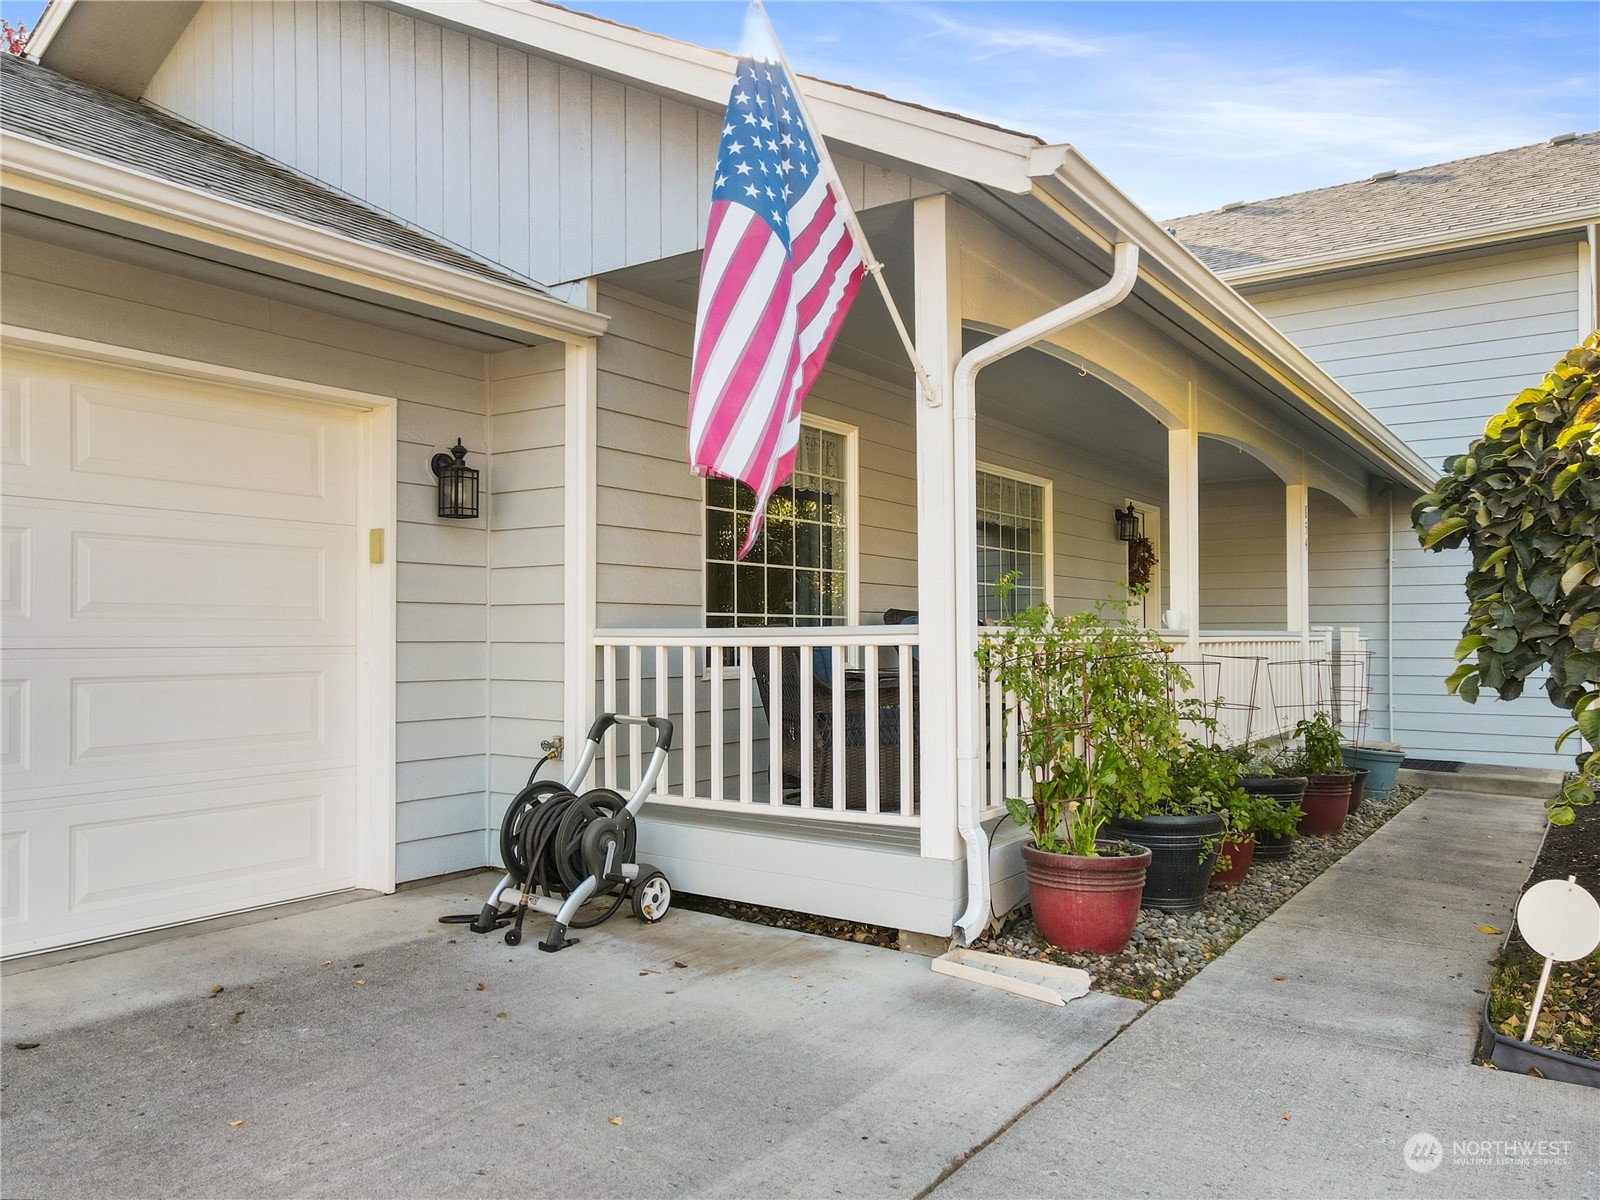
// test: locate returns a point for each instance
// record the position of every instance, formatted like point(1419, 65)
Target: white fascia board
point(1071, 182)
point(1572, 220)
point(937, 142)
point(49, 24)
point(35, 168)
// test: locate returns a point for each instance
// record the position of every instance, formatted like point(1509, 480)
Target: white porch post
point(1297, 556)
point(938, 334)
point(578, 544)
point(1183, 532)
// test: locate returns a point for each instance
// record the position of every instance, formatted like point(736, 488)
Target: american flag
point(779, 272)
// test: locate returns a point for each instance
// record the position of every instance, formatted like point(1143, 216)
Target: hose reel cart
point(562, 850)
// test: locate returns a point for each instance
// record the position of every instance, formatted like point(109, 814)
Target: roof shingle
point(42, 104)
point(1442, 202)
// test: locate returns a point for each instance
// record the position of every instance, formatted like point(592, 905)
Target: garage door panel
point(179, 585)
point(88, 575)
point(113, 436)
point(131, 859)
point(88, 723)
point(16, 573)
point(14, 877)
point(16, 412)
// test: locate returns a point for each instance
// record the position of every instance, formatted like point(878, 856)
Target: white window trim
point(852, 517)
point(1152, 515)
point(1048, 487)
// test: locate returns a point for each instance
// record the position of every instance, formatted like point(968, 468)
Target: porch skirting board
point(846, 871)
point(1008, 886)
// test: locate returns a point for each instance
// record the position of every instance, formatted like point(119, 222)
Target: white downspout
point(1388, 608)
point(1125, 271)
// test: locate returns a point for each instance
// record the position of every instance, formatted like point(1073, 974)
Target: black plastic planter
point(1179, 873)
point(1286, 790)
point(1510, 1054)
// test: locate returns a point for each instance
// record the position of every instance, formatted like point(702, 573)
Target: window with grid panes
point(1010, 539)
point(796, 572)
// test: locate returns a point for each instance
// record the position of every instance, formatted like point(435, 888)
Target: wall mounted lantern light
point(1129, 522)
point(458, 483)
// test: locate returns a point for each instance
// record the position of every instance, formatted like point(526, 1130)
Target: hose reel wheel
point(652, 896)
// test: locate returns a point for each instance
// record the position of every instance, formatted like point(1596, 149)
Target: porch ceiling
point(867, 341)
point(1045, 397)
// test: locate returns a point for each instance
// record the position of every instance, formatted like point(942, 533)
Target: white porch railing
point(1261, 684)
point(726, 691)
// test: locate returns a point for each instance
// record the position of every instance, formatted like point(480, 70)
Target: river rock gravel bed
point(1168, 949)
point(1165, 950)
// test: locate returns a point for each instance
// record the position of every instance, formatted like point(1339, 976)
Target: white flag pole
point(831, 173)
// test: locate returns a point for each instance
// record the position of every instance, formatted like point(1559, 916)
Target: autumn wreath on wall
point(1142, 562)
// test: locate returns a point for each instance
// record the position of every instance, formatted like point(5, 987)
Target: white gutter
point(1064, 175)
point(1124, 273)
point(1520, 228)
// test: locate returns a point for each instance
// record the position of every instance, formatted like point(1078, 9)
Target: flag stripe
point(779, 272)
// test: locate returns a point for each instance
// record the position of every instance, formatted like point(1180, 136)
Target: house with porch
point(1434, 295)
point(264, 261)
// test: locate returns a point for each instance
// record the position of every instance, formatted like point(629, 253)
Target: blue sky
point(1186, 106)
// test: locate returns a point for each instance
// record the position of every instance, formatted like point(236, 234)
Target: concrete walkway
point(1303, 1061)
point(703, 1057)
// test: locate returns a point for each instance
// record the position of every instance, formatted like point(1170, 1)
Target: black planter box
point(1511, 1054)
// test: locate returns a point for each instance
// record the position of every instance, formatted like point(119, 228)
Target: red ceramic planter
point(1085, 903)
point(1239, 855)
point(1326, 804)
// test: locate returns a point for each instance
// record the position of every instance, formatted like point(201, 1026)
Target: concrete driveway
point(365, 1050)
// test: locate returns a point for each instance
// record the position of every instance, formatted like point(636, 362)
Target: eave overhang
point(51, 180)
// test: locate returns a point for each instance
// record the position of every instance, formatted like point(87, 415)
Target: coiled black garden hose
point(541, 843)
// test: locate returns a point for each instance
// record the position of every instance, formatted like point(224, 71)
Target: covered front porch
point(837, 750)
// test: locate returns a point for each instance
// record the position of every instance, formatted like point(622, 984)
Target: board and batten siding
point(526, 477)
point(552, 171)
point(441, 578)
point(1435, 351)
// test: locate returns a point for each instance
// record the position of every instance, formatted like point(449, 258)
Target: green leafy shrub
point(1100, 725)
point(1525, 499)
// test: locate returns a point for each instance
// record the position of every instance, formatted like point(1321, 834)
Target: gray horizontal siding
point(525, 604)
point(1243, 572)
point(1435, 351)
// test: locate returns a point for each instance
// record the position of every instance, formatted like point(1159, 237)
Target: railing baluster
point(841, 734)
point(908, 737)
point(635, 708)
point(869, 664)
point(608, 703)
point(747, 736)
point(663, 666)
point(691, 710)
point(775, 725)
point(716, 718)
point(807, 721)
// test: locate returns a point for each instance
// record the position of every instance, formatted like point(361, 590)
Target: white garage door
point(179, 674)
